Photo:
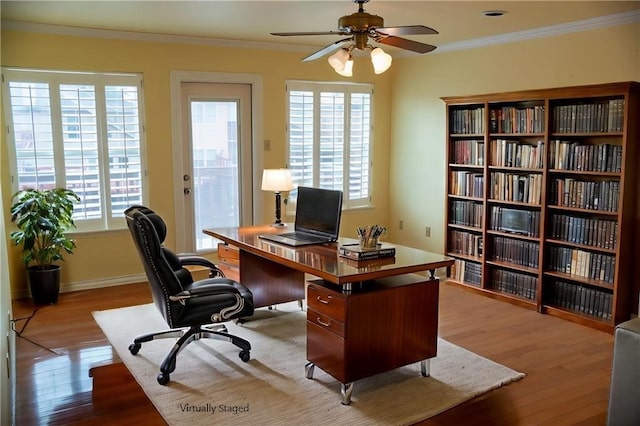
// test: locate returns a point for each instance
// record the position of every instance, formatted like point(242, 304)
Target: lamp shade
point(339, 59)
point(277, 180)
point(348, 68)
point(381, 60)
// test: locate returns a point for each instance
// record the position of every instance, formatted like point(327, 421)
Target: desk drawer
point(230, 272)
point(327, 302)
point(229, 255)
point(325, 322)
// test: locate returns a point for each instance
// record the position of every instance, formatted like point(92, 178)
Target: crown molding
point(152, 37)
point(548, 31)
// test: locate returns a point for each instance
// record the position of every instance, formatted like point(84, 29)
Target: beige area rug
point(211, 385)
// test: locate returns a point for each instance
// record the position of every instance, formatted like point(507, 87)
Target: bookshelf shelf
point(542, 199)
point(570, 277)
point(512, 266)
point(465, 256)
point(582, 246)
point(464, 227)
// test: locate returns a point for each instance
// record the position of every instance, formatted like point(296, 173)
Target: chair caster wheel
point(163, 379)
point(134, 348)
point(244, 355)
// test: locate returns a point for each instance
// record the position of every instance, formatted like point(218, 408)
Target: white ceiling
point(458, 22)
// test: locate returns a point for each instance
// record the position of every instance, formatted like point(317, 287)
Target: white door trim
point(179, 77)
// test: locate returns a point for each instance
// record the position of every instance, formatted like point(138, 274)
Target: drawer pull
point(326, 302)
point(319, 321)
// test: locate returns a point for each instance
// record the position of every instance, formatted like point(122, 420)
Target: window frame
point(109, 220)
point(346, 88)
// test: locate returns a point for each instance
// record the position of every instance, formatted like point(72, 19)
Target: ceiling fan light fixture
point(348, 68)
point(381, 60)
point(339, 59)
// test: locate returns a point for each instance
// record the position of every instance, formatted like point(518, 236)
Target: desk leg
point(308, 370)
point(346, 389)
point(425, 367)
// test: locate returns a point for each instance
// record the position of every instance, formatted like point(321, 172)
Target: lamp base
point(278, 225)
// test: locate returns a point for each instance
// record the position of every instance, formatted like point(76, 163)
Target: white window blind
point(81, 131)
point(329, 138)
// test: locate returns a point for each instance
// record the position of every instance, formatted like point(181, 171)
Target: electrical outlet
point(401, 224)
point(427, 232)
point(267, 144)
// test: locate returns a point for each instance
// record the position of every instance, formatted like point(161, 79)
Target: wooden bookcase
point(542, 199)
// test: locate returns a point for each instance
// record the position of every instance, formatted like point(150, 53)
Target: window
point(81, 131)
point(329, 138)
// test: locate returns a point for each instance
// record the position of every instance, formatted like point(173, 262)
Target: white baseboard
point(89, 285)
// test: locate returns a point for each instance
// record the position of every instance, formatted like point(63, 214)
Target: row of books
point(468, 152)
point(466, 243)
point(468, 184)
point(510, 119)
point(592, 117)
point(467, 213)
point(567, 155)
point(522, 285)
point(589, 231)
point(524, 222)
point(524, 188)
point(582, 263)
point(508, 153)
point(467, 272)
point(518, 252)
point(576, 297)
point(570, 192)
point(467, 121)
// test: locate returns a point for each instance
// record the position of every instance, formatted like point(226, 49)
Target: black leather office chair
point(193, 309)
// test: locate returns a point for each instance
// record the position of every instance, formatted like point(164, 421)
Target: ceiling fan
point(362, 26)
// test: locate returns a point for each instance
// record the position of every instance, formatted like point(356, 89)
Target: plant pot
point(44, 284)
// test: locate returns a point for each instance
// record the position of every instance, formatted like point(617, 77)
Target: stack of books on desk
point(355, 252)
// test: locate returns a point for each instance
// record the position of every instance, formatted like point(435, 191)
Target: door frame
point(178, 144)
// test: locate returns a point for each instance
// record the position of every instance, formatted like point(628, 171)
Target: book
point(355, 252)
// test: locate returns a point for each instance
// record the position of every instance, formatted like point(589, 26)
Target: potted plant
point(42, 218)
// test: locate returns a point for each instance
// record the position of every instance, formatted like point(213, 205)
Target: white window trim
point(107, 222)
point(344, 87)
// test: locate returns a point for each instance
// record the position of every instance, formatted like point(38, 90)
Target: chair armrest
point(204, 288)
point(195, 260)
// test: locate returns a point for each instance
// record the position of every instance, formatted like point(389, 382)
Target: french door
point(216, 160)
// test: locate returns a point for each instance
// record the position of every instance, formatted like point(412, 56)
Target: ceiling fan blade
point(325, 50)
point(311, 33)
point(404, 43)
point(406, 30)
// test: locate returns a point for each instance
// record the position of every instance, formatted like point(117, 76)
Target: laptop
point(318, 213)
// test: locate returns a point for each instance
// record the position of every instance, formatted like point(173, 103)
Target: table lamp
point(277, 180)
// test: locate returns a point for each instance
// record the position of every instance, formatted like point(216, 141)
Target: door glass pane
point(215, 181)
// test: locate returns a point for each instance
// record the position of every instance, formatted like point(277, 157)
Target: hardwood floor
point(568, 366)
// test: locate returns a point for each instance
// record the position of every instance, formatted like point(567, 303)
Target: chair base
point(186, 336)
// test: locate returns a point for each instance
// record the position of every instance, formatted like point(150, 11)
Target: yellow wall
point(418, 142)
point(109, 258)
point(409, 137)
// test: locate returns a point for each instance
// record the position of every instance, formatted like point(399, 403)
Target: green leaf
point(42, 217)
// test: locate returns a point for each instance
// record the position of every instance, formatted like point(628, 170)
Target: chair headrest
point(157, 222)
point(159, 225)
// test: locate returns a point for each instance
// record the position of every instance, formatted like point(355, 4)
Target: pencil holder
point(370, 235)
point(368, 243)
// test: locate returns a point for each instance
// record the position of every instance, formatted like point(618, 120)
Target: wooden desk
point(363, 318)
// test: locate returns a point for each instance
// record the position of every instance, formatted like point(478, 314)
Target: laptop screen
point(318, 211)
